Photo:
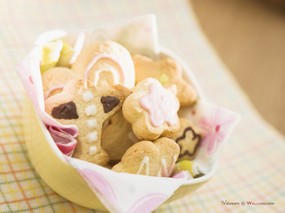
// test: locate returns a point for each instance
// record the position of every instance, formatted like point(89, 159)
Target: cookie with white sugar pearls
point(88, 107)
point(156, 158)
point(152, 110)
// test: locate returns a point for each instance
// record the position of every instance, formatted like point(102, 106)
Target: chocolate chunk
point(65, 111)
point(109, 103)
point(199, 175)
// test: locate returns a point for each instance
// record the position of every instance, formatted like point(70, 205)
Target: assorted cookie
point(125, 107)
point(152, 110)
point(188, 138)
point(168, 72)
point(155, 158)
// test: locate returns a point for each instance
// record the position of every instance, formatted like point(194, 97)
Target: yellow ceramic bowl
point(63, 178)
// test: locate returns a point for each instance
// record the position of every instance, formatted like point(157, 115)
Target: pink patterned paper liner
point(216, 127)
point(102, 187)
point(106, 184)
point(29, 72)
point(148, 203)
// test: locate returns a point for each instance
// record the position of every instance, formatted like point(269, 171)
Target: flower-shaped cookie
point(152, 110)
point(150, 158)
point(169, 73)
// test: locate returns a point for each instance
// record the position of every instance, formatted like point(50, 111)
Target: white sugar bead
point(87, 96)
point(92, 137)
point(91, 110)
point(92, 150)
point(91, 123)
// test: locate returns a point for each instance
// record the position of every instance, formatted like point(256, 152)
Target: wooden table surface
point(249, 36)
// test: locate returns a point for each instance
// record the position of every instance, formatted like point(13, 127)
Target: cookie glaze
point(91, 123)
point(92, 137)
point(93, 150)
point(161, 105)
point(144, 163)
point(65, 111)
point(91, 110)
point(87, 96)
point(109, 103)
point(118, 75)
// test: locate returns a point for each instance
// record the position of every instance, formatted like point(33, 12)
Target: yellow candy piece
point(50, 54)
point(163, 78)
point(65, 55)
point(184, 165)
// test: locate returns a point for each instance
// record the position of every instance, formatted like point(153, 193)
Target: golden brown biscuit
point(169, 73)
point(150, 158)
point(117, 136)
point(55, 79)
point(188, 138)
point(106, 62)
point(152, 110)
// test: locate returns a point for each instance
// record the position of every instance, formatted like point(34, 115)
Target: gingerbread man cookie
point(169, 73)
point(188, 138)
point(150, 158)
point(152, 110)
point(87, 107)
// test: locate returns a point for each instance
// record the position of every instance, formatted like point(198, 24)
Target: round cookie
point(55, 78)
point(150, 158)
point(169, 73)
point(106, 62)
point(87, 107)
point(152, 110)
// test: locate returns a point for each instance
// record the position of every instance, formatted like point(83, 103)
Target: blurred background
point(249, 37)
